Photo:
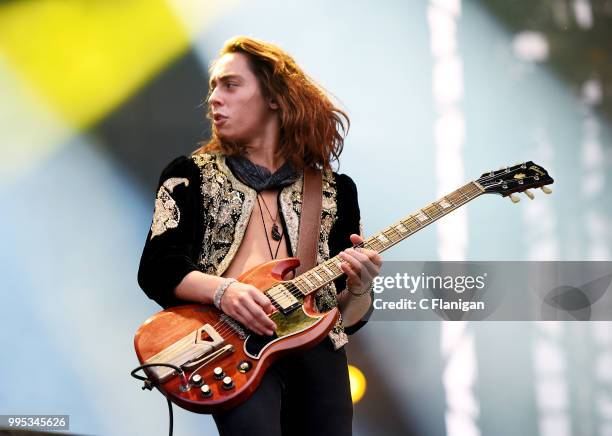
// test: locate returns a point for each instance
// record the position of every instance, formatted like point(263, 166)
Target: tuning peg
point(546, 189)
point(529, 194)
point(515, 198)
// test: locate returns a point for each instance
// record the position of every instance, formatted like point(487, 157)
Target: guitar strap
point(310, 220)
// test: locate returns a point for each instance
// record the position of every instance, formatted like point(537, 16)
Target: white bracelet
point(221, 290)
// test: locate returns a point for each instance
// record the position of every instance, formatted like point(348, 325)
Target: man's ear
point(273, 104)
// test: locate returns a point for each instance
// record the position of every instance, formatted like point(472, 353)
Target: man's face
point(239, 110)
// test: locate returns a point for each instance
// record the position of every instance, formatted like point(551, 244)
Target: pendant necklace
point(275, 235)
point(274, 232)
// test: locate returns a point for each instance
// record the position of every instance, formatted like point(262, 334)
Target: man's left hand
point(360, 265)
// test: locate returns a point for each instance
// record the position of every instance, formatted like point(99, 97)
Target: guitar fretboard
point(330, 270)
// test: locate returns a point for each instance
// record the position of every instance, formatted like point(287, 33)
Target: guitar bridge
point(198, 347)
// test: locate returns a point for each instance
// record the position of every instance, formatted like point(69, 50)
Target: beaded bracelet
point(221, 290)
point(360, 294)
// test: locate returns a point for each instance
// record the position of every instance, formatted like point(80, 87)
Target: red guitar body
point(200, 339)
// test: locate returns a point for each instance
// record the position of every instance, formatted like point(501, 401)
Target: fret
point(382, 238)
point(316, 276)
point(331, 267)
point(473, 189)
point(455, 198)
point(376, 246)
point(415, 223)
point(307, 281)
point(439, 209)
point(470, 189)
point(401, 228)
point(294, 287)
point(369, 246)
point(323, 273)
point(296, 282)
point(458, 197)
point(301, 285)
point(477, 187)
point(395, 235)
point(465, 191)
point(460, 192)
point(432, 211)
point(391, 236)
point(422, 216)
point(444, 203)
point(412, 224)
point(327, 270)
point(388, 232)
point(336, 264)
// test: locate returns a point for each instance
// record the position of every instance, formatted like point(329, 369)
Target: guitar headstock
point(517, 178)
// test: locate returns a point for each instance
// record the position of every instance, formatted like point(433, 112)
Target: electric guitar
point(206, 362)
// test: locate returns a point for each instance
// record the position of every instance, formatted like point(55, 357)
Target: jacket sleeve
point(171, 249)
point(347, 222)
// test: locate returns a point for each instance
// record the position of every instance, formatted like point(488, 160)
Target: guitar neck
point(330, 270)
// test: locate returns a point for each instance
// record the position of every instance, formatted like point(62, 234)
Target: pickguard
point(286, 325)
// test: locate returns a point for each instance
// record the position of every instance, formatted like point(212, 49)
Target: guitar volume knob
point(218, 373)
point(205, 390)
point(228, 383)
point(197, 380)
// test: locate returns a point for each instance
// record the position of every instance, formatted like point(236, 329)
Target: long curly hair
point(312, 127)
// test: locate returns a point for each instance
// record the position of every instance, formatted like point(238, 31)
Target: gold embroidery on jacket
point(228, 204)
point(248, 202)
point(326, 297)
point(167, 214)
point(227, 207)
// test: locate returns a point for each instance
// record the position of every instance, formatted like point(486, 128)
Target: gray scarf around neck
point(260, 178)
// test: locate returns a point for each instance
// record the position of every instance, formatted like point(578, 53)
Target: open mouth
point(219, 119)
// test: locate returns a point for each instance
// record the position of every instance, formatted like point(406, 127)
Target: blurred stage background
point(96, 97)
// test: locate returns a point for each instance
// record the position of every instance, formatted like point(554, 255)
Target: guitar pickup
point(286, 301)
point(288, 309)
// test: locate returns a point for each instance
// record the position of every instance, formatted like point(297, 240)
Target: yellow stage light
point(84, 58)
point(358, 383)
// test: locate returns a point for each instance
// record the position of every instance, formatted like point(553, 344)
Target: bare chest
point(258, 245)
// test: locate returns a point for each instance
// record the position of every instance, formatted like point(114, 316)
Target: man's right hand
point(249, 306)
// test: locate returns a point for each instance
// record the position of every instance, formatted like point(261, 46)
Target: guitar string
point(297, 293)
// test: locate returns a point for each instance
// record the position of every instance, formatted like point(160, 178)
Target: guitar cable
point(149, 384)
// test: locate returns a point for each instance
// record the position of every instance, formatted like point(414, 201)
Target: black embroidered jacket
point(201, 214)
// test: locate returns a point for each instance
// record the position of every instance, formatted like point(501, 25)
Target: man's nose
point(213, 98)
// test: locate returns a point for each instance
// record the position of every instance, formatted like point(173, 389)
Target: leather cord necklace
point(276, 235)
point(280, 235)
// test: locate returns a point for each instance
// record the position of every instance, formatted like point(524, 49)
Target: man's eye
point(228, 85)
